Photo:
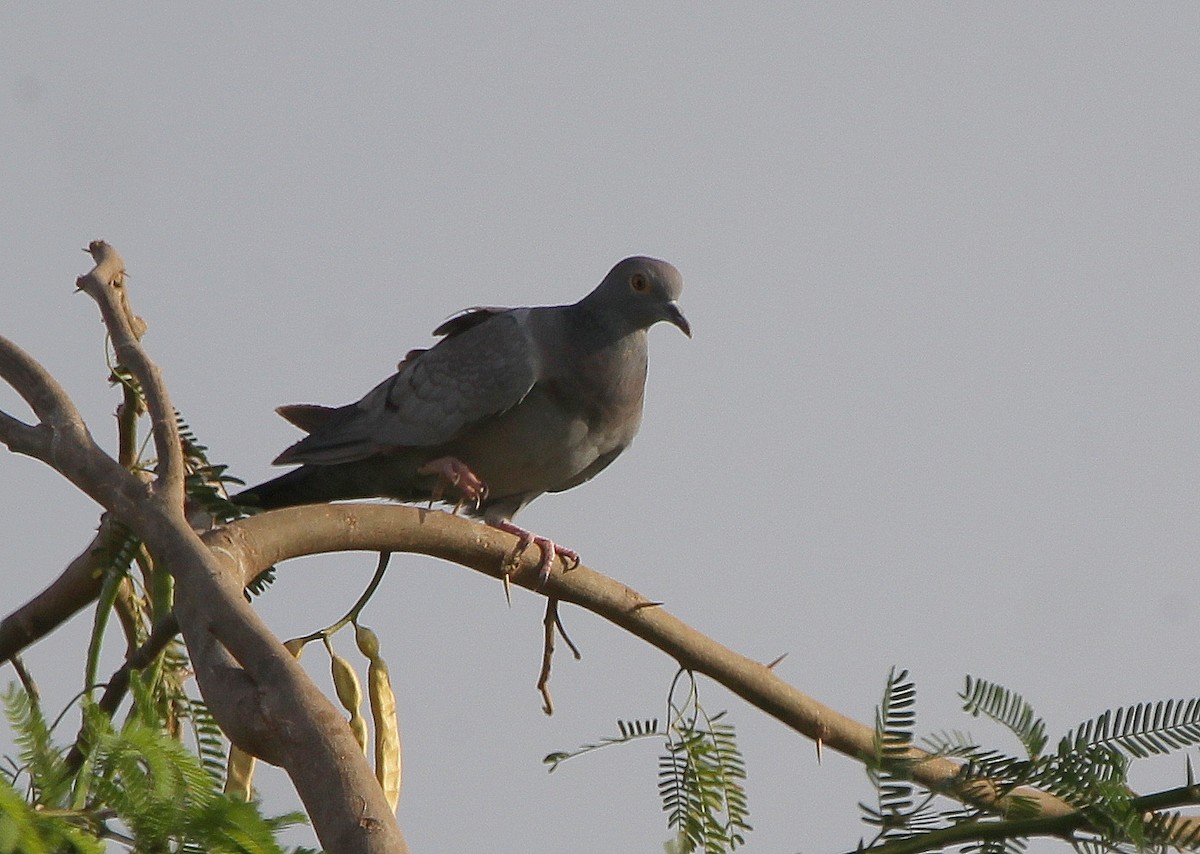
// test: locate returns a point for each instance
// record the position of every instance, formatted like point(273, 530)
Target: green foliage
point(1088, 770)
point(699, 782)
point(897, 811)
point(206, 483)
point(1006, 708)
point(700, 772)
point(629, 731)
point(27, 830)
point(207, 486)
point(137, 786)
point(40, 760)
point(1146, 729)
point(211, 747)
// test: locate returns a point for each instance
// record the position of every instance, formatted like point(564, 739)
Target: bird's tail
point(300, 486)
point(318, 484)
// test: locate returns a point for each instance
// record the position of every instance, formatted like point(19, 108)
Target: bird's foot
point(454, 472)
point(549, 548)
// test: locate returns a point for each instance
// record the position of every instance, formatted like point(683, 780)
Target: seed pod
point(239, 773)
point(367, 640)
point(358, 726)
point(349, 692)
point(295, 646)
point(388, 753)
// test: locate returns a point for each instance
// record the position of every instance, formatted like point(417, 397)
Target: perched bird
point(509, 404)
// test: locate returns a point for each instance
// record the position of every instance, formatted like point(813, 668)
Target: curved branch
point(61, 439)
point(268, 538)
point(48, 400)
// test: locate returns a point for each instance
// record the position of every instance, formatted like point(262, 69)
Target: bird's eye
point(638, 282)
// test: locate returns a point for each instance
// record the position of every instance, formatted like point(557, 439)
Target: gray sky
point(939, 410)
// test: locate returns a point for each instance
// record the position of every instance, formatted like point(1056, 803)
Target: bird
point(509, 404)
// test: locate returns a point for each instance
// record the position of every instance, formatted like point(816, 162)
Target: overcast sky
point(940, 409)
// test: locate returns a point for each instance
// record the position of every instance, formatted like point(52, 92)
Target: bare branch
point(269, 538)
point(21, 438)
point(262, 698)
point(105, 283)
point(49, 402)
point(61, 439)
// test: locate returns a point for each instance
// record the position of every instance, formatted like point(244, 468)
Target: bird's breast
point(561, 428)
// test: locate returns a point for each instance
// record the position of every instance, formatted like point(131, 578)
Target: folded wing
point(485, 365)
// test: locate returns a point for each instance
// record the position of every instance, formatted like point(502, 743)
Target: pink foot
point(453, 471)
point(570, 557)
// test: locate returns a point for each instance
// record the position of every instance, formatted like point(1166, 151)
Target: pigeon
point(511, 403)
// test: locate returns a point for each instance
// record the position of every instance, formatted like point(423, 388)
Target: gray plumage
point(530, 400)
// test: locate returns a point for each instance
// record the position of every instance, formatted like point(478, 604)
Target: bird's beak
point(674, 316)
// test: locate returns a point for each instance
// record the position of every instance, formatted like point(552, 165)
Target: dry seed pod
point(367, 640)
point(345, 682)
point(295, 646)
point(387, 732)
point(349, 692)
point(239, 773)
point(358, 726)
point(383, 713)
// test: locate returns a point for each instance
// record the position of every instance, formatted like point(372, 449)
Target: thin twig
point(350, 616)
point(566, 638)
point(548, 624)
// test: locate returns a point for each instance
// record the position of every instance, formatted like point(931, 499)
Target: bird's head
point(643, 291)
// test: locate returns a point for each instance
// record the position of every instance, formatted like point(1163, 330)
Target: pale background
point(939, 410)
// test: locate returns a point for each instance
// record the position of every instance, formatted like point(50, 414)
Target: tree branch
point(105, 283)
point(269, 538)
point(74, 589)
point(49, 402)
point(256, 691)
point(1180, 832)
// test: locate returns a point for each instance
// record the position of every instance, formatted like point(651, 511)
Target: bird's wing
point(484, 366)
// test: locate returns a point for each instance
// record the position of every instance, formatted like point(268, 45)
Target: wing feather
point(482, 368)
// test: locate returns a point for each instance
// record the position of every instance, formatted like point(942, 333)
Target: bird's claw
point(454, 472)
point(548, 547)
